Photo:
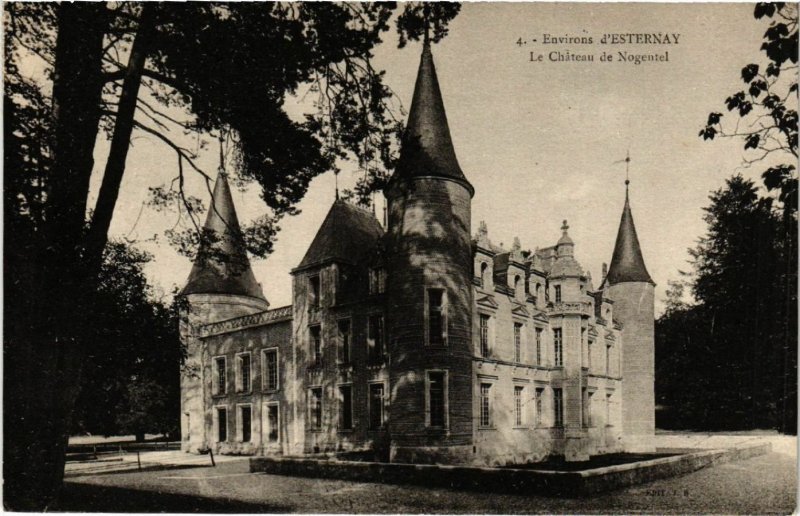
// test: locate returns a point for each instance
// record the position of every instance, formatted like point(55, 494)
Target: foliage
point(130, 382)
point(728, 361)
point(768, 104)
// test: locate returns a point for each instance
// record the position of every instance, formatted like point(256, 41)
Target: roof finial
point(221, 154)
point(336, 184)
point(627, 162)
point(426, 11)
point(627, 171)
point(565, 226)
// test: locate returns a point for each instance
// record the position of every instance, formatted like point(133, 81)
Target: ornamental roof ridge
point(246, 321)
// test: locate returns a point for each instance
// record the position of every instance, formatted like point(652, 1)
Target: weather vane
point(627, 162)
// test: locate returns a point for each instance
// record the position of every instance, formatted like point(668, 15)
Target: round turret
point(429, 287)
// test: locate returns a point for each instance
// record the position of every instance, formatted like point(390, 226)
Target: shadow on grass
point(93, 498)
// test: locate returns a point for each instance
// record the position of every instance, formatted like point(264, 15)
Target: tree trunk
point(120, 141)
point(42, 358)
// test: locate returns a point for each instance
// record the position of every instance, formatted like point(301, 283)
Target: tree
point(720, 362)
point(127, 67)
point(768, 106)
point(130, 382)
point(769, 109)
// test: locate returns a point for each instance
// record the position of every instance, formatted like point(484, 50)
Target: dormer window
point(517, 286)
point(313, 291)
point(377, 280)
point(483, 275)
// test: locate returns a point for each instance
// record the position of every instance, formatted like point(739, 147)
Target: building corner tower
point(631, 288)
point(220, 286)
point(429, 287)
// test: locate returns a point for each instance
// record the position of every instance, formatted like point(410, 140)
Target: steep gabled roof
point(222, 266)
point(347, 234)
point(427, 148)
point(627, 263)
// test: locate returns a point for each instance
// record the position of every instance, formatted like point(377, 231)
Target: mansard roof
point(348, 234)
point(627, 263)
point(427, 148)
point(222, 266)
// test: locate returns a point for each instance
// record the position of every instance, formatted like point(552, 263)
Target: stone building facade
point(420, 341)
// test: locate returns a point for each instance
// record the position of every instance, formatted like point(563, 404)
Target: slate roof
point(347, 234)
point(427, 148)
point(627, 263)
point(222, 266)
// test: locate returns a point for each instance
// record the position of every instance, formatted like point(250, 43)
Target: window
point(270, 369)
point(484, 324)
point(484, 279)
point(517, 285)
point(538, 292)
point(437, 399)
point(486, 405)
point(558, 293)
point(272, 422)
point(346, 407)
point(376, 405)
point(377, 280)
point(222, 424)
point(517, 342)
point(313, 291)
point(243, 372)
point(558, 408)
point(518, 392)
point(245, 423)
point(538, 346)
point(558, 348)
point(539, 406)
point(316, 346)
point(220, 377)
point(608, 359)
point(587, 409)
point(589, 353)
point(375, 338)
point(436, 317)
point(608, 409)
point(315, 408)
point(344, 342)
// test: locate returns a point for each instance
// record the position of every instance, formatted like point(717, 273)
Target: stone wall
point(344, 297)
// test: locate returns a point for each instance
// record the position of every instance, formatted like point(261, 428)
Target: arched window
point(484, 279)
point(517, 285)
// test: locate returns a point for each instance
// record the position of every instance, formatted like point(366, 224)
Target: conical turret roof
point(427, 148)
point(627, 263)
point(222, 266)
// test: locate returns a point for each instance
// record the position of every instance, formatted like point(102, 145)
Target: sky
point(541, 142)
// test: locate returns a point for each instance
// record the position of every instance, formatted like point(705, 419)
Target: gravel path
point(760, 485)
